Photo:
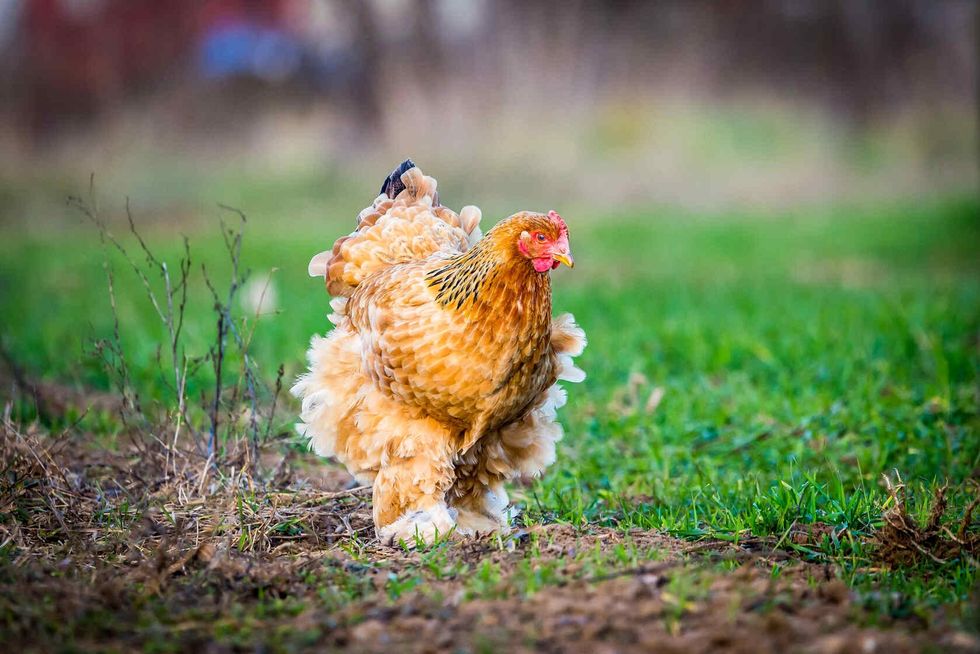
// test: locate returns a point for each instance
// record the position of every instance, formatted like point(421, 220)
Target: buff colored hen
point(438, 382)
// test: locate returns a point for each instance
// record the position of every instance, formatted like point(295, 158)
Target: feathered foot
point(410, 492)
point(425, 525)
point(482, 510)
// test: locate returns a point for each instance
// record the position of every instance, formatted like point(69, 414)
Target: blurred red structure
point(81, 57)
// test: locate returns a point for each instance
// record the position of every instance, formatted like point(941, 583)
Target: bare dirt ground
point(107, 551)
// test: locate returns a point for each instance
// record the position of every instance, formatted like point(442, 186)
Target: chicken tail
point(393, 184)
point(404, 223)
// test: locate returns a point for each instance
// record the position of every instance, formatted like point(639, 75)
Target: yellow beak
point(565, 258)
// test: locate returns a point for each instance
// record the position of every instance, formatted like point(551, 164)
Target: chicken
point(438, 382)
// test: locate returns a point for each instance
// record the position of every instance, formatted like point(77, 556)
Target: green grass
point(801, 357)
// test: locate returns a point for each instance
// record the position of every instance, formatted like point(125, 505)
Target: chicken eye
point(541, 237)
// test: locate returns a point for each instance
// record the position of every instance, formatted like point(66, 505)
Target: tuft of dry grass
point(85, 530)
point(58, 496)
point(904, 541)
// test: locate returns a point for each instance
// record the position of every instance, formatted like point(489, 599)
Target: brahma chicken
point(438, 382)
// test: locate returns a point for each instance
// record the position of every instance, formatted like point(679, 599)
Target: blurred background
point(705, 105)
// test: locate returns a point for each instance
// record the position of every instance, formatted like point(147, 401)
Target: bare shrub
point(204, 435)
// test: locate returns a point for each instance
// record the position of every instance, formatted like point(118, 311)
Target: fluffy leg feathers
point(424, 485)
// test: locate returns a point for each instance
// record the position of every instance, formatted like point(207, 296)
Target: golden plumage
point(438, 382)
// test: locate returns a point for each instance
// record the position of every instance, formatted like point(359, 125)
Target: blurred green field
point(797, 357)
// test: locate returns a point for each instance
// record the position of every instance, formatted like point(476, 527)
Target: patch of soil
point(745, 611)
point(126, 550)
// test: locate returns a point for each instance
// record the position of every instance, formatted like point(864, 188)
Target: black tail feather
point(392, 185)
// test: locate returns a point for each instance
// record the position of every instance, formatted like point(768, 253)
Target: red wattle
point(542, 264)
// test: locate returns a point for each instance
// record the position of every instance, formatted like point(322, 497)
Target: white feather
point(470, 217)
point(318, 264)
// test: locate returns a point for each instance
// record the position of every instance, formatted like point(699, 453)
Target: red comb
point(553, 215)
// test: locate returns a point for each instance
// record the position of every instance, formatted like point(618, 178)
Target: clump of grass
point(904, 541)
